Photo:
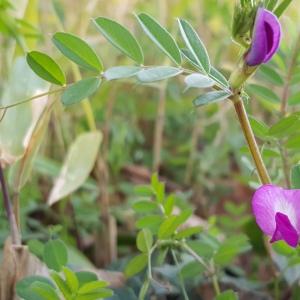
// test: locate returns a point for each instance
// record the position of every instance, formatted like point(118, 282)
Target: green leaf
point(100, 294)
point(92, 287)
point(23, 287)
point(151, 222)
point(270, 74)
point(284, 249)
point(168, 227)
point(285, 126)
point(160, 36)
point(143, 190)
point(260, 128)
point(36, 247)
point(63, 287)
point(85, 277)
point(295, 177)
point(202, 248)
point(71, 279)
point(230, 248)
point(80, 90)
point(263, 93)
point(144, 240)
point(293, 142)
point(121, 72)
point(272, 4)
point(294, 99)
point(227, 295)
point(199, 81)
point(169, 204)
point(45, 67)
point(211, 97)
point(55, 255)
point(136, 265)
point(78, 51)
point(192, 270)
point(46, 291)
point(158, 73)
point(282, 7)
point(145, 206)
point(195, 45)
point(188, 232)
point(77, 166)
point(120, 37)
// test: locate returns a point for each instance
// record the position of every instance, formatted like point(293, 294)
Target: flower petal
point(269, 200)
point(266, 38)
point(285, 231)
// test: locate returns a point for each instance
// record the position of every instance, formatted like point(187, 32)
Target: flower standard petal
point(266, 38)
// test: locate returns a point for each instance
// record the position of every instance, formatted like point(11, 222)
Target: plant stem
point(250, 138)
point(216, 284)
point(14, 232)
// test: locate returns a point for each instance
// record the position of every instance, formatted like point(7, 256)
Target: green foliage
point(45, 67)
point(211, 97)
point(77, 50)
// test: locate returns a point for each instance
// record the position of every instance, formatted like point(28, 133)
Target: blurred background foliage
point(199, 153)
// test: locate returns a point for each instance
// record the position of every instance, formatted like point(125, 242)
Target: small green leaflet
point(55, 255)
point(136, 265)
point(121, 38)
point(195, 45)
point(227, 295)
point(77, 50)
point(199, 81)
point(144, 240)
point(285, 126)
point(121, 72)
point(282, 7)
point(211, 97)
point(263, 93)
point(158, 73)
point(219, 77)
point(160, 36)
point(45, 67)
point(271, 75)
point(80, 90)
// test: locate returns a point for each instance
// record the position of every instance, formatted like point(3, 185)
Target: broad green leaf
point(136, 265)
point(151, 222)
point(168, 227)
point(55, 255)
point(282, 7)
point(144, 240)
point(99, 294)
point(195, 45)
point(211, 97)
point(227, 295)
point(71, 279)
point(219, 77)
point(36, 247)
point(192, 270)
point(285, 126)
point(121, 72)
point(78, 164)
point(92, 287)
point(85, 277)
point(202, 248)
point(263, 93)
point(160, 36)
point(295, 177)
point(188, 232)
point(294, 99)
point(120, 37)
point(45, 67)
point(80, 90)
point(46, 291)
point(78, 51)
point(260, 128)
point(198, 81)
point(157, 73)
point(271, 75)
point(145, 206)
point(143, 190)
point(169, 204)
point(293, 142)
point(23, 287)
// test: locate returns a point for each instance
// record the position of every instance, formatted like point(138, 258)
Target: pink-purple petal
point(285, 231)
point(266, 38)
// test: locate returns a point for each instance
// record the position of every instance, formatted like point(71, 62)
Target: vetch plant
point(257, 29)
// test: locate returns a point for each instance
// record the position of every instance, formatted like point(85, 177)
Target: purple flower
point(277, 213)
point(265, 39)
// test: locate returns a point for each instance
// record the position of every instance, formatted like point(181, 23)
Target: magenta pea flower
point(277, 213)
point(265, 38)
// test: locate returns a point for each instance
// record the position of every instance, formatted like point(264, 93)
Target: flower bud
point(266, 38)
